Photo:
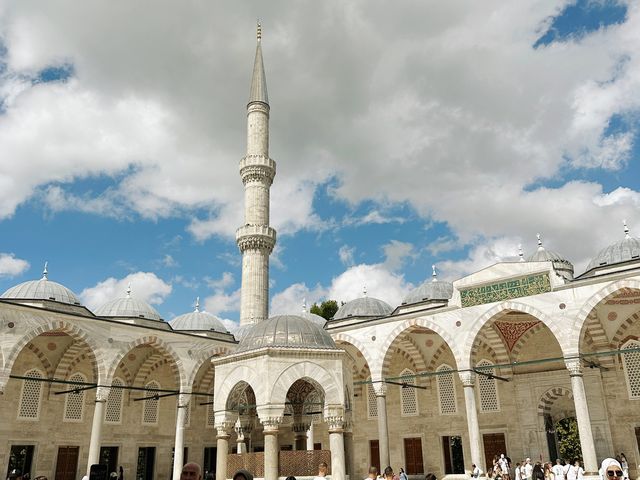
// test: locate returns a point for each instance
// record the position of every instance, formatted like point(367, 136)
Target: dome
point(622, 251)
point(198, 320)
point(433, 289)
point(286, 331)
point(317, 319)
point(364, 307)
point(43, 289)
point(563, 266)
point(128, 307)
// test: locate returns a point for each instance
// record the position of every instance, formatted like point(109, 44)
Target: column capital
point(468, 378)
point(102, 393)
point(301, 427)
point(380, 388)
point(271, 424)
point(336, 424)
point(223, 430)
point(574, 366)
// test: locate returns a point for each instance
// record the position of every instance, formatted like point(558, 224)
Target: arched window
point(372, 401)
point(446, 390)
point(151, 405)
point(29, 407)
point(631, 365)
point(211, 419)
point(408, 395)
point(113, 409)
point(74, 401)
point(487, 388)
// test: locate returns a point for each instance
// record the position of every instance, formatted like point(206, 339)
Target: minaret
point(256, 238)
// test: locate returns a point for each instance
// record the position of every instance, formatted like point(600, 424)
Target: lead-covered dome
point(561, 265)
point(285, 331)
point(198, 320)
point(128, 307)
point(43, 289)
point(430, 290)
point(363, 307)
point(623, 251)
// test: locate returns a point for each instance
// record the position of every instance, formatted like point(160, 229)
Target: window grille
point(446, 391)
point(631, 365)
point(113, 409)
point(187, 415)
point(29, 407)
point(151, 405)
point(408, 395)
point(372, 402)
point(74, 402)
point(210, 415)
point(488, 389)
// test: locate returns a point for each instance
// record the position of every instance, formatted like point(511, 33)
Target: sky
point(405, 135)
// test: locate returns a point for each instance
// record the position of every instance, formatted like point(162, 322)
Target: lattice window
point(113, 409)
point(487, 388)
point(408, 395)
point(187, 415)
point(446, 390)
point(151, 405)
point(631, 365)
point(74, 402)
point(372, 401)
point(29, 407)
point(210, 415)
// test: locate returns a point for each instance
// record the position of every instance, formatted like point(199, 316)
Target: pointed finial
point(129, 290)
point(434, 274)
point(364, 290)
point(259, 31)
point(197, 304)
point(304, 305)
point(45, 272)
point(626, 229)
point(520, 253)
point(540, 247)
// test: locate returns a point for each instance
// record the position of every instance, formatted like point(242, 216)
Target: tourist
point(290, 477)
point(430, 476)
point(518, 472)
point(625, 466)
point(475, 471)
point(120, 473)
point(323, 468)
point(504, 466)
point(373, 473)
point(242, 475)
point(402, 475)
point(537, 473)
point(558, 470)
point(191, 471)
point(527, 469)
point(210, 476)
point(388, 473)
point(610, 469)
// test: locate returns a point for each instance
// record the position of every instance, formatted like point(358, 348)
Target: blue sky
point(404, 136)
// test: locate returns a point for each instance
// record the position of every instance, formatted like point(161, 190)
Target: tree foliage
point(326, 309)
point(568, 439)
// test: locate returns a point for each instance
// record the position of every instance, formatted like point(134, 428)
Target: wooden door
point(374, 454)
point(494, 444)
point(67, 463)
point(413, 456)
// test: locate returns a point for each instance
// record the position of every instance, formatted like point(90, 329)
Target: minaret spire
point(256, 238)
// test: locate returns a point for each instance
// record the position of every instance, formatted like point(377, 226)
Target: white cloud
point(396, 254)
point(221, 301)
point(379, 282)
point(223, 282)
point(290, 300)
point(345, 252)
point(168, 261)
point(10, 266)
point(145, 286)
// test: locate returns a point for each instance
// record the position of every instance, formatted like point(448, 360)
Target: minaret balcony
point(257, 160)
point(256, 237)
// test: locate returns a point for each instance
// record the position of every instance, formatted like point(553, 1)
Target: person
point(546, 468)
point(558, 470)
point(290, 477)
point(504, 466)
point(537, 473)
point(402, 475)
point(242, 475)
point(113, 476)
point(15, 474)
point(430, 476)
point(210, 476)
point(527, 469)
point(322, 471)
point(625, 466)
point(388, 473)
point(518, 471)
point(120, 473)
point(191, 471)
point(610, 469)
point(373, 473)
point(475, 471)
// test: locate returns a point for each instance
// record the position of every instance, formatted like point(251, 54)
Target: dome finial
point(539, 237)
point(45, 271)
point(129, 290)
point(626, 229)
point(520, 253)
point(258, 31)
point(364, 290)
point(304, 305)
point(197, 304)
point(434, 274)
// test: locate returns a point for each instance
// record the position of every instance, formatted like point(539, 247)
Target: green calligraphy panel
point(512, 288)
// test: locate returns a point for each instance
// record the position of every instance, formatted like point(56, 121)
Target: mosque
point(493, 362)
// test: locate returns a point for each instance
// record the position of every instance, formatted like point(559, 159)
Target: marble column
point(310, 437)
point(468, 380)
point(178, 447)
point(271, 450)
point(222, 450)
point(300, 432)
point(383, 428)
point(241, 446)
point(582, 417)
point(336, 445)
point(102, 393)
point(348, 452)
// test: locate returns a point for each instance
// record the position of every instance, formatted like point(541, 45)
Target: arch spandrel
point(560, 334)
point(359, 345)
point(202, 359)
point(225, 382)
point(331, 385)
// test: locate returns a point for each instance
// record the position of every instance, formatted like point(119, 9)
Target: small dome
point(622, 251)
point(563, 266)
point(198, 320)
point(317, 319)
point(433, 289)
point(364, 307)
point(285, 331)
point(128, 307)
point(43, 289)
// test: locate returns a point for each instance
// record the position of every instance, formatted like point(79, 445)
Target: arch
point(241, 373)
point(510, 306)
point(409, 350)
point(159, 344)
point(492, 341)
point(621, 333)
point(347, 338)
point(48, 325)
point(203, 357)
point(332, 388)
point(548, 398)
point(599, 296)
point(71, 357)
point(515, 352)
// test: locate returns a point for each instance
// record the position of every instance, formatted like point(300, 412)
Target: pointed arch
point(225, 384)
point(204, 357)
point(316, 374)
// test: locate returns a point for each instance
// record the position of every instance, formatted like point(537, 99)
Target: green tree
point(568, 439)
point(326, 309)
